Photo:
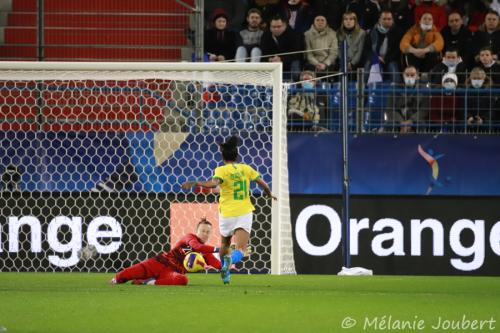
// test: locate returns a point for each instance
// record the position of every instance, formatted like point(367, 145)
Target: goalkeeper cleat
point(225, 272)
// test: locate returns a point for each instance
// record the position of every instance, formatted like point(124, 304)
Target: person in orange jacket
point(437, 11)
point(422, 44)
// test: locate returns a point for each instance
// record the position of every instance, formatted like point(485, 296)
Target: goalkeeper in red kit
point(167, 267)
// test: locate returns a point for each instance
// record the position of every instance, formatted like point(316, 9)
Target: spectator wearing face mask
point(489, 65)
point(303, 109)
point(457, 35)
point(408, 107)
point(436, 10)
point(383, 41)
point(481, 102)
point(446, 106)
point(451, 63)
point(422, 44)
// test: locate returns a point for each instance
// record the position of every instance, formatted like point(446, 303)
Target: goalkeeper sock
point(236, 256)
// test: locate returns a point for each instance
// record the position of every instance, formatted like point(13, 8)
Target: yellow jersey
point(234, 186)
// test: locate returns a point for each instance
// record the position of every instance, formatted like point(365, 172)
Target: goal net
point(95, 154)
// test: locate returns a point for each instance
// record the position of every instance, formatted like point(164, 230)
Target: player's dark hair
point(203, 221)
point(229, 149)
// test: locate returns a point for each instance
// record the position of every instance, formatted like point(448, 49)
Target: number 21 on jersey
point(240, 190)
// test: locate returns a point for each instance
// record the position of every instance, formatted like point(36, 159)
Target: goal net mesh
point(97, 157)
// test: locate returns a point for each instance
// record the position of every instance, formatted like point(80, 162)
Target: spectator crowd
point(446, 44)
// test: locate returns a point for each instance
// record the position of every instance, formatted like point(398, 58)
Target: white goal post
point(94, 153)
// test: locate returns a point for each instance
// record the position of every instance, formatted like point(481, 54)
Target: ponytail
point(229, 149)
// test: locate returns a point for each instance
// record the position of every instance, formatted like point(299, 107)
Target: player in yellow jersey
point(235, 207)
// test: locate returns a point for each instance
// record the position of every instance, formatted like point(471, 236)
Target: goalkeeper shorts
point(227, 225)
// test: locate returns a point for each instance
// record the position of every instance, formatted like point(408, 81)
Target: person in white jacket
point(321, 46)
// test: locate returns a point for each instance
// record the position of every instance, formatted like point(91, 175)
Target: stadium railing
point(445, 111)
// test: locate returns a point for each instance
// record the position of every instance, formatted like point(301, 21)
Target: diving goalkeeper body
point(167, 267)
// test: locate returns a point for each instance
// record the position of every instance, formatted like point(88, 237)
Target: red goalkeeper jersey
point(190, 242)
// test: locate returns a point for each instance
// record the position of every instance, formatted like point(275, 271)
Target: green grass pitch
point(79, 302)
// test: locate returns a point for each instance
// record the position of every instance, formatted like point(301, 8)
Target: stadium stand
point(125, 30)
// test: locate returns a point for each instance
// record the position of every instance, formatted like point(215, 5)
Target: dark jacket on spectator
point(268, 8)
point(358, 7)
point(288, 41)
point(412, 103)
point(375, 39)
point(436, 74)
point(461, 41)
point(331, 9)
point(473, 11)
point(402, 13)
point(371, 14)
point(303, 19)
point(221, 42)
point(481, 102)
point(493, 73)
point(483, 38)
